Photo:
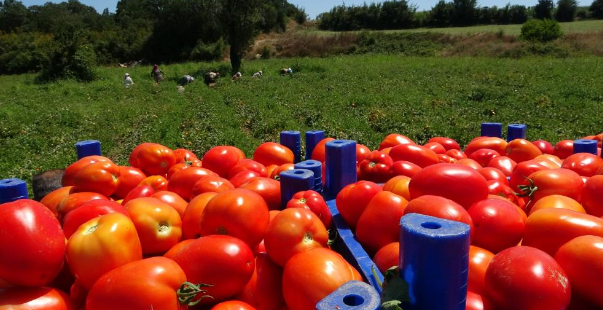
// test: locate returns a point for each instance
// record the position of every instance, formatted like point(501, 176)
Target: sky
point(315, 7)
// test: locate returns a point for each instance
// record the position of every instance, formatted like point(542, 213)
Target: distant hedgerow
point(538, 30)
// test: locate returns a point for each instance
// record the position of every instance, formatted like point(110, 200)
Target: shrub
point(541, 30)
point(208, 52)
point(70, 59)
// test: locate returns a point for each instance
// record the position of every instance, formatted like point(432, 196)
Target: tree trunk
point(235, 58)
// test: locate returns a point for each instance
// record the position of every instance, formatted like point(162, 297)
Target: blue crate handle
point(316, 167)
point(293, 181)
point(312, 139)
point(292, 140)
point(434, 261)
point(585, 146)
point(492, 130)
point(340, 166)
point(353, 295)
point(516, 131)
point(88, 148)
point(12, 189)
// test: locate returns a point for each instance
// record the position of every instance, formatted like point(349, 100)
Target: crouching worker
point(285, 71)
point(237, 76)
point(185, 80)
point(128, 80)
point(157, 74)
point(257, 74)
point(211, 78)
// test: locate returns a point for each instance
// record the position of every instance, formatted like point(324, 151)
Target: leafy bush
point(70, 59)
point(24, 52)
point(208, 51)
point(541, 30)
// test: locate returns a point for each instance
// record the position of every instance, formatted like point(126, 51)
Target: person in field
point(236, 76)
point(185, 80)
point(211, 78)
point(157, 74)
point(257, 74)
point(128, 80)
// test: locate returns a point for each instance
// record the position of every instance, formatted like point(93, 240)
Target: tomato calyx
point(188, 292)
point(395, 290)
point(527, 190)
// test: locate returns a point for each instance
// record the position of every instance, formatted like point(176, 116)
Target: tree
point(544, 9)
point(239, 20)
point(597, 9)
point(465, 12)
point(566, 10)
point(13, 15)
point(441, 14)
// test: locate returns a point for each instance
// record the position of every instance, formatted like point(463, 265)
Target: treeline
point(150, 30)
point(400, 14)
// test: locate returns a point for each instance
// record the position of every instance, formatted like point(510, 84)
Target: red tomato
point(558, 202)
point(269, 189)
point(591, 196)
point(362, 151)
point(379, 223)
point(479, 260)
point(544, 146)
point(497, 144)
point(264, 290)
point(157, 182)
point(442, 158)
point(499, 224)
point(415, 154)
point(100, 177)
point(32, 243)
point(394, 140)
point(240, 213)
point(353, 199)
point(447, 143)
point(155, 159)
point(564, 148)
point(184, 155)
point(435, 147)
point(459, 183)
point(129, 178)
point(493, 174)
point(173, 200)
point(477, 302)
point(180, 245)
point(224, 262)
point(245, 165)
point(138, 192)
point(34, 298)
point(52, 200)
point(182, 182)
point(150, 283)
point(221, 159)
point(375, 167)
point(270, 153)
point(522, 171)
point(556, 182)
point(499, 189)
point(521, 150)
point(484, 156)
point(133, 160)
point(440, 207)
point(211, 183)
point(550, 161)
point(242, 178)
point(88, 211)
point(293, 231)
point(319, 152)
point(456, 154)
point(175, 168)
point(387, 257)
point(105, 242)
point(314, 202)
point(310, 276)
point(402, 167)
point(70, 172)
point(549, 229)
point(581, 260)
point(398, 185)
point(158, 224)
point(275, 174)
point(191, 229)
point(503, 163)
point(527, 278)
point(585, 164)
point(74, 201)
point(233, 305)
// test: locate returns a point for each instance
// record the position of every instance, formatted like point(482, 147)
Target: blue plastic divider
point(353, 295)
point(585, 146)
point(516, 131)
point(293, 181)
point(312, 139)
point(340, 167)
point(316, 167)
point(434, 261)
point(492, 130)
point(12, 189)
point(88, 148)
point(292, 140)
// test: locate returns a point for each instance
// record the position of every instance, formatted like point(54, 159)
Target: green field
point(352, 97)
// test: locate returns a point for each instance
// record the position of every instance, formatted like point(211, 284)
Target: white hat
point(127, 74)
point(192, 78)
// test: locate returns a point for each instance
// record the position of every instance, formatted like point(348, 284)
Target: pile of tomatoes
point(175, 231)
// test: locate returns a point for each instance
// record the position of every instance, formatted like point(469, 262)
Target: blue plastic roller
point(516, 131)
point(292, 140)
point(312, 139)
point(353, 295)
point(434, 262)
point(340, 166)
point(316, 167)
point(12, 189)
point(492, 130)
point(585, 146)
point(293, 181)
point(88, 148)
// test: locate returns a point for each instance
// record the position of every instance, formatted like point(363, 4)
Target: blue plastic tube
point(12, 189)
point(316, 167)
point(340, 167)
point(312, 139)
point(353, 295)
point(88, 148)
point(585, 146)
point(292, 140)
point(492, 130)
point(516, 131)
point(293, 181)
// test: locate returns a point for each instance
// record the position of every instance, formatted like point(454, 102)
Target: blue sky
point(315, 7)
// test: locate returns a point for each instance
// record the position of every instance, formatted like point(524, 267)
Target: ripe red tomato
point(138, 192)
point(497, 144)
point(74, 201)
point(173, 200)
point(151, 283)
point(503, 163)
point(233, 305)
point(559, 202)
point(88, 211)
point(293, 231)
point(240, 213)
point(129, 177)
point(484, 156)
point(314, 202)
point(443, 158)
point(398, 185)
point(556, 182)
point(550, 161)
point(70, 172)
point(211, 183)
point(157, 182)
point(247, 164)
point(99, 177)
point(191, 218)
point(270, 153)
point(435, 147)
point(581, 260)
point(447, 143)
point(585, 164)
point(415, 154)
point(544, 146)
point(320, 149)
point(224, 262)
point(155, 159)
point(456, 154)
point(521, 150)
point(522, 171)
point(469, 163)
point(393, 140)
point(353, 199)
point(276, 173)
point(34, 298)
point(379, 223)
point(184, 155)
point(265, 289)
point(440, 207)
point(591, 196)
point(564, 148)
point(221, 159)
point(499, 224)
point(479, 260)
point(478, 302)
point(242, 178)
point(375, 167)
point(32, 243)
point(402, 167)
point(175, 168)
point(493, 174)
point(180, 245)
point(527, 278)
point(269, 189)
point(52, 200)
point(459, 183)
point(362, 151)
point(182, 182)
point(499, 189)
point(387, 257)
point(133, 160)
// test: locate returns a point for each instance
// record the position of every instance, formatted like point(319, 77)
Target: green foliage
point(596, 8)
point(70, 59)
point(25, 52)
point(566, 10)
point(13, 15)
point(544, 9)
point(238, 21)
point(541, 30)
point(394, 14)
point(465, 12)
point(208, 52)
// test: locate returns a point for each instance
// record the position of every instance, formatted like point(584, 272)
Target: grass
point(351, 97)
